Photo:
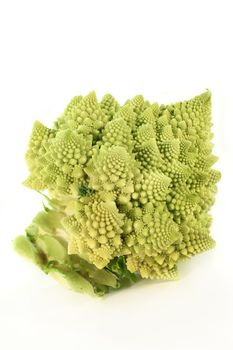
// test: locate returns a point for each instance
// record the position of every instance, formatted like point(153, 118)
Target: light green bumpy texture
point(132, 182)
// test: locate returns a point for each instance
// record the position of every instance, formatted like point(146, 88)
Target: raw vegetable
point(128, 191)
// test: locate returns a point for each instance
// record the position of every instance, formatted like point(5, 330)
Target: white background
point(166, 50)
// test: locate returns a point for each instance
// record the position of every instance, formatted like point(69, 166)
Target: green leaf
point(73, 280)
point(48, 221)
point(53, 203)
point(31, 232)
point(102, 276)
point(52, 248)
point(105, 277)
point(25, 248)
point(118, 266)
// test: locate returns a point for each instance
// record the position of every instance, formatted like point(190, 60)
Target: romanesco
point(128, 191)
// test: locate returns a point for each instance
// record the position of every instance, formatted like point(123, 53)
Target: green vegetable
point(27, 249)
point(128, 191)
point(52, 248)
point(73, 280)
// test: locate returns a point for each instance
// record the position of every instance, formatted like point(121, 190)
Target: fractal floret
point(127, 191)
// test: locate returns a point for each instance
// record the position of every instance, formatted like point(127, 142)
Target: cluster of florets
point(132, 181)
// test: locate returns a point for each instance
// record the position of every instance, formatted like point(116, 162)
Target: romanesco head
point(133, 181)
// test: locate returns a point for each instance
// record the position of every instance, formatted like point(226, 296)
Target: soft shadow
point(141, 284)
point(193, 264)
